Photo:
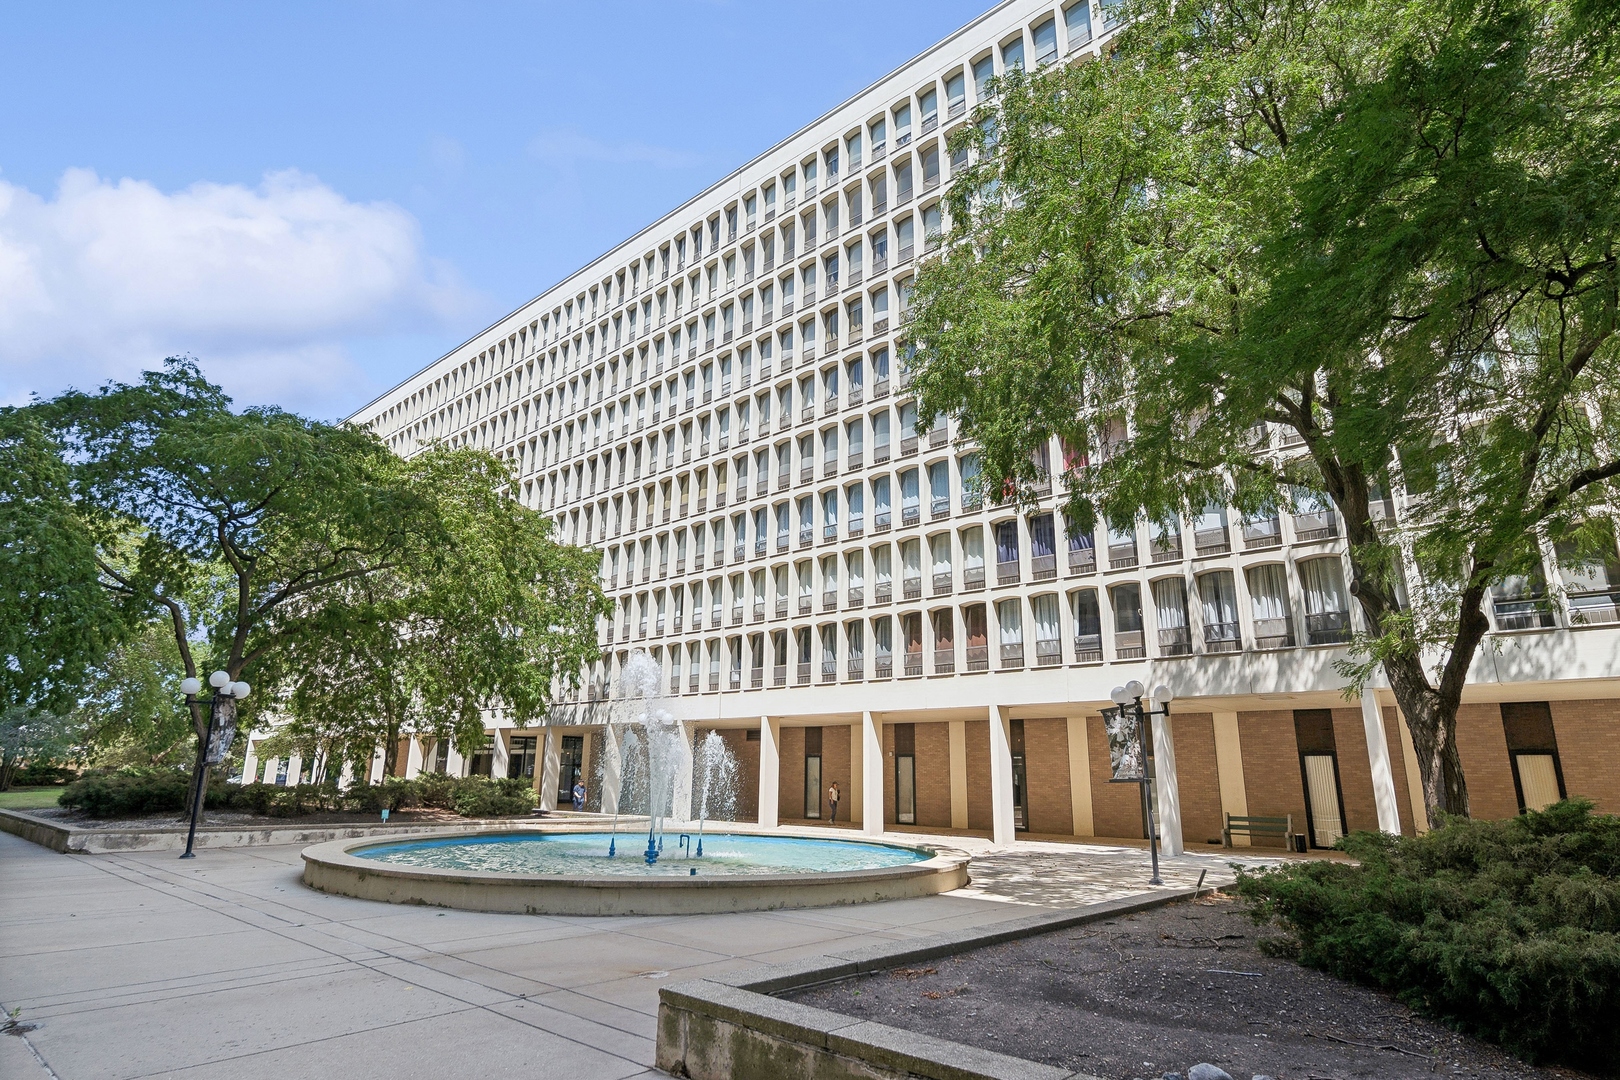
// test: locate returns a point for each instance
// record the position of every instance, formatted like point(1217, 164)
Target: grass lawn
point(29, 798)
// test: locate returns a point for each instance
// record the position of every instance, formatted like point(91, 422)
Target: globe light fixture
point(240, 690)
point(218, 679)
point(1119, 695)
point(1163, 695)
point(191, 687)
point(1134, 689)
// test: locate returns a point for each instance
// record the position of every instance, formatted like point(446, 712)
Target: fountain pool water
point(585, 853)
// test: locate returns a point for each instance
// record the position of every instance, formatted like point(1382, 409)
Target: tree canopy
point(275, 546)
point(1383, 232)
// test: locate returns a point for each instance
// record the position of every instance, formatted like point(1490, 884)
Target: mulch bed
point(1147, 994)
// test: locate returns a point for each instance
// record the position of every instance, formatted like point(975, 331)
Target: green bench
point(1250, 826)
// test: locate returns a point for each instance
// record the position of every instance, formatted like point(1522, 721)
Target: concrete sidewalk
point(139, 965)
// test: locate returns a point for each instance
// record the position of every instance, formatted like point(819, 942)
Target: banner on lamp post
point(1124, 746)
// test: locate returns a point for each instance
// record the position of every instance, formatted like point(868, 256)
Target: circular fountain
point(667, 859)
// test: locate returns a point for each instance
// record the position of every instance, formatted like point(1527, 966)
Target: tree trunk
point(1433, 723)
point(201, 721)
point(391, 749)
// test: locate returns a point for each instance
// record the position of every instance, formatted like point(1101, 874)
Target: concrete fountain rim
point(334, 868)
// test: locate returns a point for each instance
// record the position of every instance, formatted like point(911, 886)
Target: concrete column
point(1166, 788)
point(550, 767)
point(270, 767)
point(250, 764)
point(497, 769)
point(295, 765)
point(1001, 776)
point(1080, 778)
point(857, 775)
point(346, 776)
point(872, 770)
point(413, 757)
point(1414, 779)
point(959, 780)
point(681, 787)
point(770, 771)
point(1383, 774)
point(1229, 770)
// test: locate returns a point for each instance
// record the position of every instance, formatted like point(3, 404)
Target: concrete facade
point(720, 407)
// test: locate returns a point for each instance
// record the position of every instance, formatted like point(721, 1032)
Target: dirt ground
point(1157, 992)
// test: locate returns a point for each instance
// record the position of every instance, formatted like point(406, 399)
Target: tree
point(28, 735)
point(54, 617)
point(1387, 229)
point(247, 530)
point(494, 617)
point(130, 704)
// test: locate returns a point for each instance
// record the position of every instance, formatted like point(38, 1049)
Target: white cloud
point(263, 285)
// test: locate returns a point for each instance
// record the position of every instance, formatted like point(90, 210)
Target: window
point(812, 773)
point(1170, 608)
point(928, 109)
point(1087, 625)
point(1046, 48)
point(1591, 580)
point(1319, 769)
point(902, 125)
point(1012, 54)
point(1218, 595)
point(983, 71)
point(1077, 21)
point(1126, 601)
point(905, 774)
point(956, 94)
point(1327, 611)
point(1010, 628)
point(520, 759)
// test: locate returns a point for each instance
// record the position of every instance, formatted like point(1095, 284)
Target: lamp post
point(1129, 700)
point(217, 743)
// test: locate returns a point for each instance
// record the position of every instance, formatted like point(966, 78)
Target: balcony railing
point(912, 588)
point(972, 578)
point(1333, 627)
point(1222, 638)
point(1533, 614)
point(945, 661)
point(1266, 533)
point(1012, 655)
point(883, 667)
point(1594, 608)
point(942, 583)
point(1088, 648)
point(977, 658)
point(1007, 572)
point(1121, 556)
point(1273, 633)
point(1175, 641)
point(1043, 567)
point(914, 664)
point(1082, 560)
point(1212, 541)
point(779, 675)
point(1318, 525)
point(1129, 645)
point(804, 674)
point(1048, 653)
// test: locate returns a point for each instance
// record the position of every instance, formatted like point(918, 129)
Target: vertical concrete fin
point(1383, 773)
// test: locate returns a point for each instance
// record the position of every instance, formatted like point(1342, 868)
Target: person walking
point(832, 800)
point(579, 794)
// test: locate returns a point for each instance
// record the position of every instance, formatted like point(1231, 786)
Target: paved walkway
point(227, 966)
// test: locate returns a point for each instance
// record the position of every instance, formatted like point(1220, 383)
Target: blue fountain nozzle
point(693, 871)
point(612, 847)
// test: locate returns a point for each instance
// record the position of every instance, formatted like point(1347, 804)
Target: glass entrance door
point(568, 769)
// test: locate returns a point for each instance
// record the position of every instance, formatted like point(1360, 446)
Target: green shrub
point(1509, 930)
point(134, 792)
point(44, 774)
point(478, 797)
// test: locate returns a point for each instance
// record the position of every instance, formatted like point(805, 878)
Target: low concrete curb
point(732, 1027)
point(332, 868)
point(70, 839)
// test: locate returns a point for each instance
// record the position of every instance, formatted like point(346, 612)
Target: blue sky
point(316, 199)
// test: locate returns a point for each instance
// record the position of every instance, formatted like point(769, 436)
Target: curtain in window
point(1087, 612)
point(1219, 596)
point(973, 549)
point(1322, 582)
point(940, 549)
point(1042, 538)
point(1007, 541)
point(1009, 617)
point(1268, 591)
point(1045, 611)
point(1170, 603)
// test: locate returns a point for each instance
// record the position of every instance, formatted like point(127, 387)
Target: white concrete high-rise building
point(719, 406)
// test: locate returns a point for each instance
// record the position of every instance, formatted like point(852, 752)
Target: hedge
point(1508, 930)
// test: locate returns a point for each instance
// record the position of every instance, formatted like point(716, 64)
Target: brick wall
point(746, 752)
point(1116, 809)
point(1482, 744)
point(1046, 776)
point(977, 736)
point(1197, 778)
point(887, 765)
point(790, 776)
point(934, 775)
point(835, 766)
point(1355, 771)
point(1588, 735)
point(1271, 768)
